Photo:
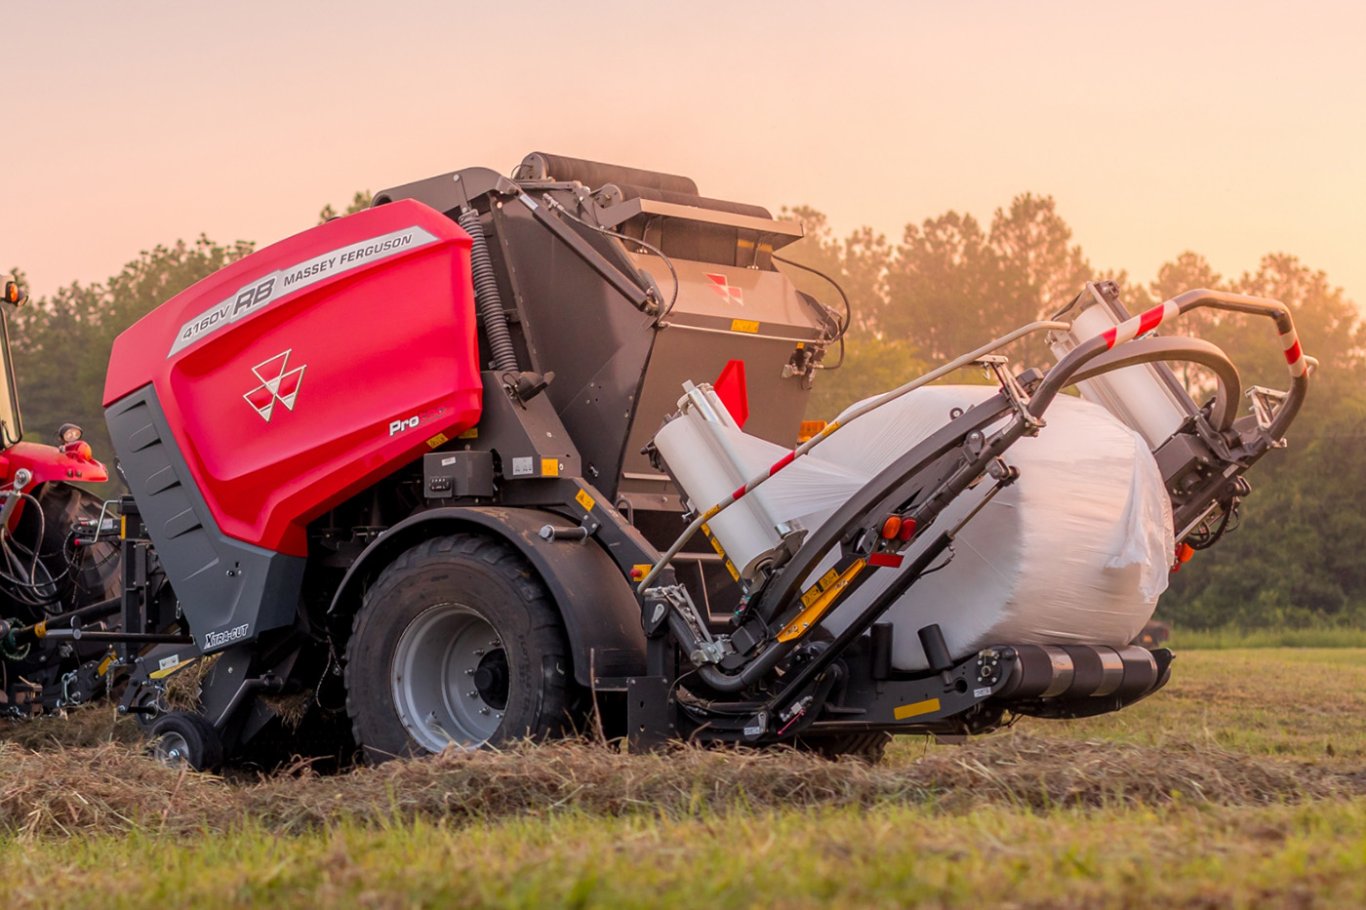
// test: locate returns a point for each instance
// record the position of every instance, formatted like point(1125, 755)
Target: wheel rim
point(172, 748)
point(450, 678)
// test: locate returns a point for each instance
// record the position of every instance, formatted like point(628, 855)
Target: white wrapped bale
point(1076, 551)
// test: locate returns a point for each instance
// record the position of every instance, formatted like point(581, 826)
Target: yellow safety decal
point(825, 581)
point(123, 527)
point(103, 668)
point(550, 467)
point(167, 671)
point(715, 544)
point(730, 567)
point(471, 433)
point(440, 439)
point(583, 499)
point(915, 709)
point(815, 610)
point(744, 325)
point(808, 428)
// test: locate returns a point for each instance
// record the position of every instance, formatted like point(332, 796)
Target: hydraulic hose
point(487, 300)
point(1166, 349)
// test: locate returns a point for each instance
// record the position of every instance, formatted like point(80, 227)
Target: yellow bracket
point(829, 593)
point(173, 668)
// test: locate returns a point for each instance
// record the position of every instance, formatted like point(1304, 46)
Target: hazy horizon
point(1231, 129)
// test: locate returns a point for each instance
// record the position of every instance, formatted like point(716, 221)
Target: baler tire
point(182, 738)
point(462, 578)
point(864, 747)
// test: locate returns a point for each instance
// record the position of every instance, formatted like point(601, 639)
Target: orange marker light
point(1184, 552)
point(891, 527)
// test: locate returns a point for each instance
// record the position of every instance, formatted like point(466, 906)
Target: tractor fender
point(600, 612)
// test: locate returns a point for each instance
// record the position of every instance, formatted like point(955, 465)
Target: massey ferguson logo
point(724, 289)
point(267, 290)
point(279, 385)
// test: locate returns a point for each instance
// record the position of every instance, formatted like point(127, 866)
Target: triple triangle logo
point(724, 289)
point(279, 385)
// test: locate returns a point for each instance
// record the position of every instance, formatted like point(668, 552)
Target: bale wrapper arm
point(969, 695)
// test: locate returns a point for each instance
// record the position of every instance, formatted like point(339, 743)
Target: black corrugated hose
point(486, 297)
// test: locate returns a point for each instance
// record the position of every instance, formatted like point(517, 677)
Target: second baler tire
point(493, 579)
point(199, 746)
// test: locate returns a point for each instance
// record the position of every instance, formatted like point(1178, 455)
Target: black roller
point(881, 634)
point(1072, 672)
point(1031, 674)
point(1140, 673)
point(593, 174)
point(1088, 670)
point(936, 649)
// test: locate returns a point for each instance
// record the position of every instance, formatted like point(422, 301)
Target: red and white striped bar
point(1294, 355)
point(1141, 324)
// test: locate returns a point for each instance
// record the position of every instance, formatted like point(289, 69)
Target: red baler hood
point(300, 374)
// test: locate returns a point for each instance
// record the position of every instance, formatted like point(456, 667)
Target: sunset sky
point(1230, 128)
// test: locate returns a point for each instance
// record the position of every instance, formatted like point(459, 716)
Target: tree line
point(949, 284)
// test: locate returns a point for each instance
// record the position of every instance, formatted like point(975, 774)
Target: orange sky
point(1231, 128)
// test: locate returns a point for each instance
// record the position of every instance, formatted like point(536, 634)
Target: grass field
point(1201, 639)
point(1243, 785)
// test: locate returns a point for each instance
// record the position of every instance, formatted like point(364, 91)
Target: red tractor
point(52, 571)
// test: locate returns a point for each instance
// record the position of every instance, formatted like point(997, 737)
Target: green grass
point(1303, 703)
point(890, 857)
point(1298, 710)
point(1223, 639)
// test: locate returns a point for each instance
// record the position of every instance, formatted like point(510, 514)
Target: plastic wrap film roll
point(1136, 395)
point(710, 457)
point(1076, 551)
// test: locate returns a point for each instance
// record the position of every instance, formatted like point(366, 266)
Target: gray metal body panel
point(618, 373)
point(230, 591)
point(524, 435)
